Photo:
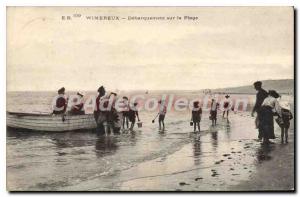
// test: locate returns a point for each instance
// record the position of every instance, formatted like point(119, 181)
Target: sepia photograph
point(156, 99)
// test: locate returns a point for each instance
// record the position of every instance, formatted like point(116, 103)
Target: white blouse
point(272, 102)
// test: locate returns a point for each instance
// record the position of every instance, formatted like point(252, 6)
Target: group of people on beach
point(266, 107)
point(197, 112)
point(107, 120)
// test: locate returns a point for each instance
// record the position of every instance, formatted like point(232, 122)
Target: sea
point(83, 160)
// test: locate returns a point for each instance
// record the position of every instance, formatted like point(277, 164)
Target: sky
point(224, 47)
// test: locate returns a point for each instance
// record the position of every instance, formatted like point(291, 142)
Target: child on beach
point(226, 106)
point(285, 122)
point(196, 115)
point(213, 111)
point(162, 113)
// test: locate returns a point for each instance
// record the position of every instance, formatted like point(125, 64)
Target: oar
point(154, 118)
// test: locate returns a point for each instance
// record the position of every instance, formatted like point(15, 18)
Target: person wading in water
point(125, 113)
point(213, 112)
point(132, 114)
point(226, 106)
point(196, 115)
point(162, 114)
point(101, 112)
point(260, 97)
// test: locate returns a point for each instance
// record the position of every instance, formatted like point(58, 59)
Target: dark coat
point(260, 97)
point(286, 117)
point(60, 102)
point(266, 122)
point(132, 114)
point(196, 115)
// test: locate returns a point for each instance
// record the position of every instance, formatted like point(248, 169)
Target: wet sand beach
point(74, 73)
point(226, 157)
point(218, 159)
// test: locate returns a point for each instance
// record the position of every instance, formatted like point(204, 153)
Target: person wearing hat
point(60, 105)
point(284, 123)
point(226, 106)
point(260, 97)
point(266, 120)
point(78, 109)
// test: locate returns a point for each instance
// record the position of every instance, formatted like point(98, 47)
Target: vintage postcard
point(150, 99)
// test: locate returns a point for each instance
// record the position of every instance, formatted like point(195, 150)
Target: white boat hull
point(44, 122)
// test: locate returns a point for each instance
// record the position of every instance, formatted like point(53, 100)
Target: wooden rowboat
point(48, 122)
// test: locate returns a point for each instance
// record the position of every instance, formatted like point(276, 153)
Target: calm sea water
point(53, 161)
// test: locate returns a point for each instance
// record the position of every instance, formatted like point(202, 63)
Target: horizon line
point(95, 90)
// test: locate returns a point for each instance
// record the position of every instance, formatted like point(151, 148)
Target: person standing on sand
point(213, 111)
point(260, 97)
point(266, 120)
point(226, 106)
point(285, 123)
point(196, 115)
point(162, 113)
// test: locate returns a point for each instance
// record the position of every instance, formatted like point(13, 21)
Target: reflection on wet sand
point(217, 157)
point(263, 153)
point(214, 137)
point(197, 149)
point(227, 130)
point(106, 145)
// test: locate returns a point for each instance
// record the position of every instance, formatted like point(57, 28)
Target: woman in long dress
point(269, 108)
